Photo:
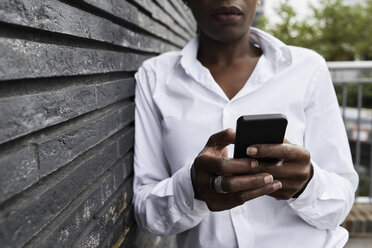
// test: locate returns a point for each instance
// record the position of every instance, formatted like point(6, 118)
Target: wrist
point(311, 173)
point(192, 174)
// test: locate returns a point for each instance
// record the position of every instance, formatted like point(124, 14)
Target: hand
point(293, 170)
point(213, 160)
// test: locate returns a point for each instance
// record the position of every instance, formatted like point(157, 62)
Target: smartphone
point(259, 129)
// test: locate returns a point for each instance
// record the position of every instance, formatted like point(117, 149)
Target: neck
point(212, 52)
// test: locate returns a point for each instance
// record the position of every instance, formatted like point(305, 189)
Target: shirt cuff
point(313, 190)
point(184, 193)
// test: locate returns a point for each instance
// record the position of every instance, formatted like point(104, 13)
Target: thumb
point(222, 139)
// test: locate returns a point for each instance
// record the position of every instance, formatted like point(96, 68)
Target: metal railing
point(358, 73)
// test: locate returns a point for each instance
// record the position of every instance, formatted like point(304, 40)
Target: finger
point(266, 163)
point(281, 151)
point(277, 169)
point(282, 194)
point(226, 166)
point(293, 171)
point(245, 182)
point(221, 139)
point(242, 197)
point(218, 202)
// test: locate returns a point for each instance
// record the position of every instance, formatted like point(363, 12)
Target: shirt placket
point(228, 116)
point(241, 227)
point(236, 214)
point(228, 121)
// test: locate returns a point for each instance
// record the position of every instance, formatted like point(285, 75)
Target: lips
point(226, 14)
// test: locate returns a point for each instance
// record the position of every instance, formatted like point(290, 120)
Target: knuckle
point(304, 174)
point(306, 154)
point(222, 165)
point(201, 158)
point(212, 139)
point(200, 161)
point(229, 132)
point(288, 151)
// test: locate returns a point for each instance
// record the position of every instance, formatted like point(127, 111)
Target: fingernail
point(252, 151)
point(268, 179)
point(254, 164)
point(277, 185)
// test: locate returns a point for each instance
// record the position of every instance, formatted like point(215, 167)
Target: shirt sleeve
point(164, 203)
point(329, 195)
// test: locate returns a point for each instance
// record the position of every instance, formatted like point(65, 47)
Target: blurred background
point(341, 31)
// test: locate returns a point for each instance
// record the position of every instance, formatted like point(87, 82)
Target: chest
point(192, 112)
point(232, 78)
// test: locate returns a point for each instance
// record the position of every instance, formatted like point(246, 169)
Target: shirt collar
point(274, 49)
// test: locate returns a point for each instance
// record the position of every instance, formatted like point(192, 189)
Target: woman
point(183, 101)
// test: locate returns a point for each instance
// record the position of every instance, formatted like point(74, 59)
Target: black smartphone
point(259, 129)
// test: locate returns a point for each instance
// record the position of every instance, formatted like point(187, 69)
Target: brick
point(20, 222)
point(123, 9)
point(115, 91)
point(30, 59)
point(160, 12)
point(18, 171)
point(125, 142)
point(107, 218)
point(59, 150)
point(70, 223)
point(117, 235)
point(186, 14)
point(55, 16)
point(179, 20)
point(29, 113)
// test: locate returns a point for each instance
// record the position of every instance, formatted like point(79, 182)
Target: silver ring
point(217, 184)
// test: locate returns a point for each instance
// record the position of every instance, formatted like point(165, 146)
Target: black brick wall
point(67, 113)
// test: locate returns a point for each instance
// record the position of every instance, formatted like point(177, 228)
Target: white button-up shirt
point(179, 105)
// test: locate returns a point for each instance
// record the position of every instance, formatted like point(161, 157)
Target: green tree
point(335, 30)
point(338, 32)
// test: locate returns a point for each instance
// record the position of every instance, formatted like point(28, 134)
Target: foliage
point(334, 29)
point(337, 31)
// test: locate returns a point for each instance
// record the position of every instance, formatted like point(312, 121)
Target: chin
point(228, 36)
point(227, 33)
